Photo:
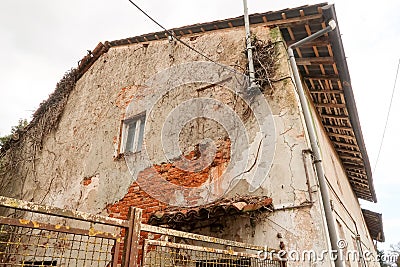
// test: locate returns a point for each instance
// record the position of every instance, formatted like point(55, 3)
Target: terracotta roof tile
point(240, 205)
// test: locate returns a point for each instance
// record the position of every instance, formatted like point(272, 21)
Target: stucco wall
point(80, 167)
point(346, 207)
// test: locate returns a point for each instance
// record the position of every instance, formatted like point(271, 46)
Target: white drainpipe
point(249, 48)
point(330, 220)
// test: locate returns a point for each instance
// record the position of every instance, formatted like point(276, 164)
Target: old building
point(175, 129)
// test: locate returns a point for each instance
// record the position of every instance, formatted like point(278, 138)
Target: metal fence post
point(132, 236)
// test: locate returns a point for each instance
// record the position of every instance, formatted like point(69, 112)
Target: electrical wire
point(170, 33)
point(387, 116)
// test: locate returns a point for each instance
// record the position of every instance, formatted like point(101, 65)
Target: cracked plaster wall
point(84, 147)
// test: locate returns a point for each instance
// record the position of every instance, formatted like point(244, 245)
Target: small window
point(133, 134)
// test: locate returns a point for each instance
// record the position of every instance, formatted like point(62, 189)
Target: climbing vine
point(19, 150)
point(265, 57)
point(22, 123)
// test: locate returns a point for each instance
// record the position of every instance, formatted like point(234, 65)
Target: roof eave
point(337, 46)
point(374, 224)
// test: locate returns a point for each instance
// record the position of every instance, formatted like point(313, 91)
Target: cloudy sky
point(42, 39)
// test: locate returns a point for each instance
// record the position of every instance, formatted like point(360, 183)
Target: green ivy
point(22, 123)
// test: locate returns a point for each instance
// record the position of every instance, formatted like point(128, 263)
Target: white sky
point(42, 39)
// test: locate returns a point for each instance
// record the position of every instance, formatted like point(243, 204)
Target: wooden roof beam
point(342, 136)
point(329, 105)
point(338, 127)
point(359, 184)
point(322, 77)
point(357, 179)
point(326, 91)
point(348, 151)
point(353, 167)
point(334, 116)
point(284, 23)
point(321, 41)
point(356, 173)
point(350, 158)
point(336, 143)
point(315, 60)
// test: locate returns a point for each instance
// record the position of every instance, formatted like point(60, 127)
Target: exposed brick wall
point(87, 181)
point(137, 196)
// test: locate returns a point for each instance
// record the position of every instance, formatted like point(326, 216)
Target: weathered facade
point(80, 153)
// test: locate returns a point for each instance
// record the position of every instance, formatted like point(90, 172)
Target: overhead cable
point(172, 34)
point(387, 116)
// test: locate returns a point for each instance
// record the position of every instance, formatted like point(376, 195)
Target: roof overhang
point(374, 225)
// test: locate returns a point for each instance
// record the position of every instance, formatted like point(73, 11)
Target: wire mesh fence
point(41, 236)
point(36, 235)
point(24, 245)
point(168, 254)
point(167, 248)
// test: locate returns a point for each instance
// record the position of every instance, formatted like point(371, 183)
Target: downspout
point(333, 236)
point(357, 234)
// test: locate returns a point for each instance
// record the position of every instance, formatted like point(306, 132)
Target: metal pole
point(330, 220)
point(360, 251)
point(249, 48)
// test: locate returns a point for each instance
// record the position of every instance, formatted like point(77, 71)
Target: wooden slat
point(361, 190)
point(350, 158)
point(338, 127)
point(354, 165)
point(264, 19)
point(322, 77)
point(364, 195)
point(347, 151)
point(357, 179)
point(362, 178)
point(359, 184)
point(347, 166)
point(334, 116)
point(329, 105)
point(364, 188)
point(321, 41)
point(342, 136)
point(356, 173)
point(284, 23)
point(315, 60)
point(326, 91)
point(345, 144)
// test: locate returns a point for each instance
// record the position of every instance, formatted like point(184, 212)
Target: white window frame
point(138, 134)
